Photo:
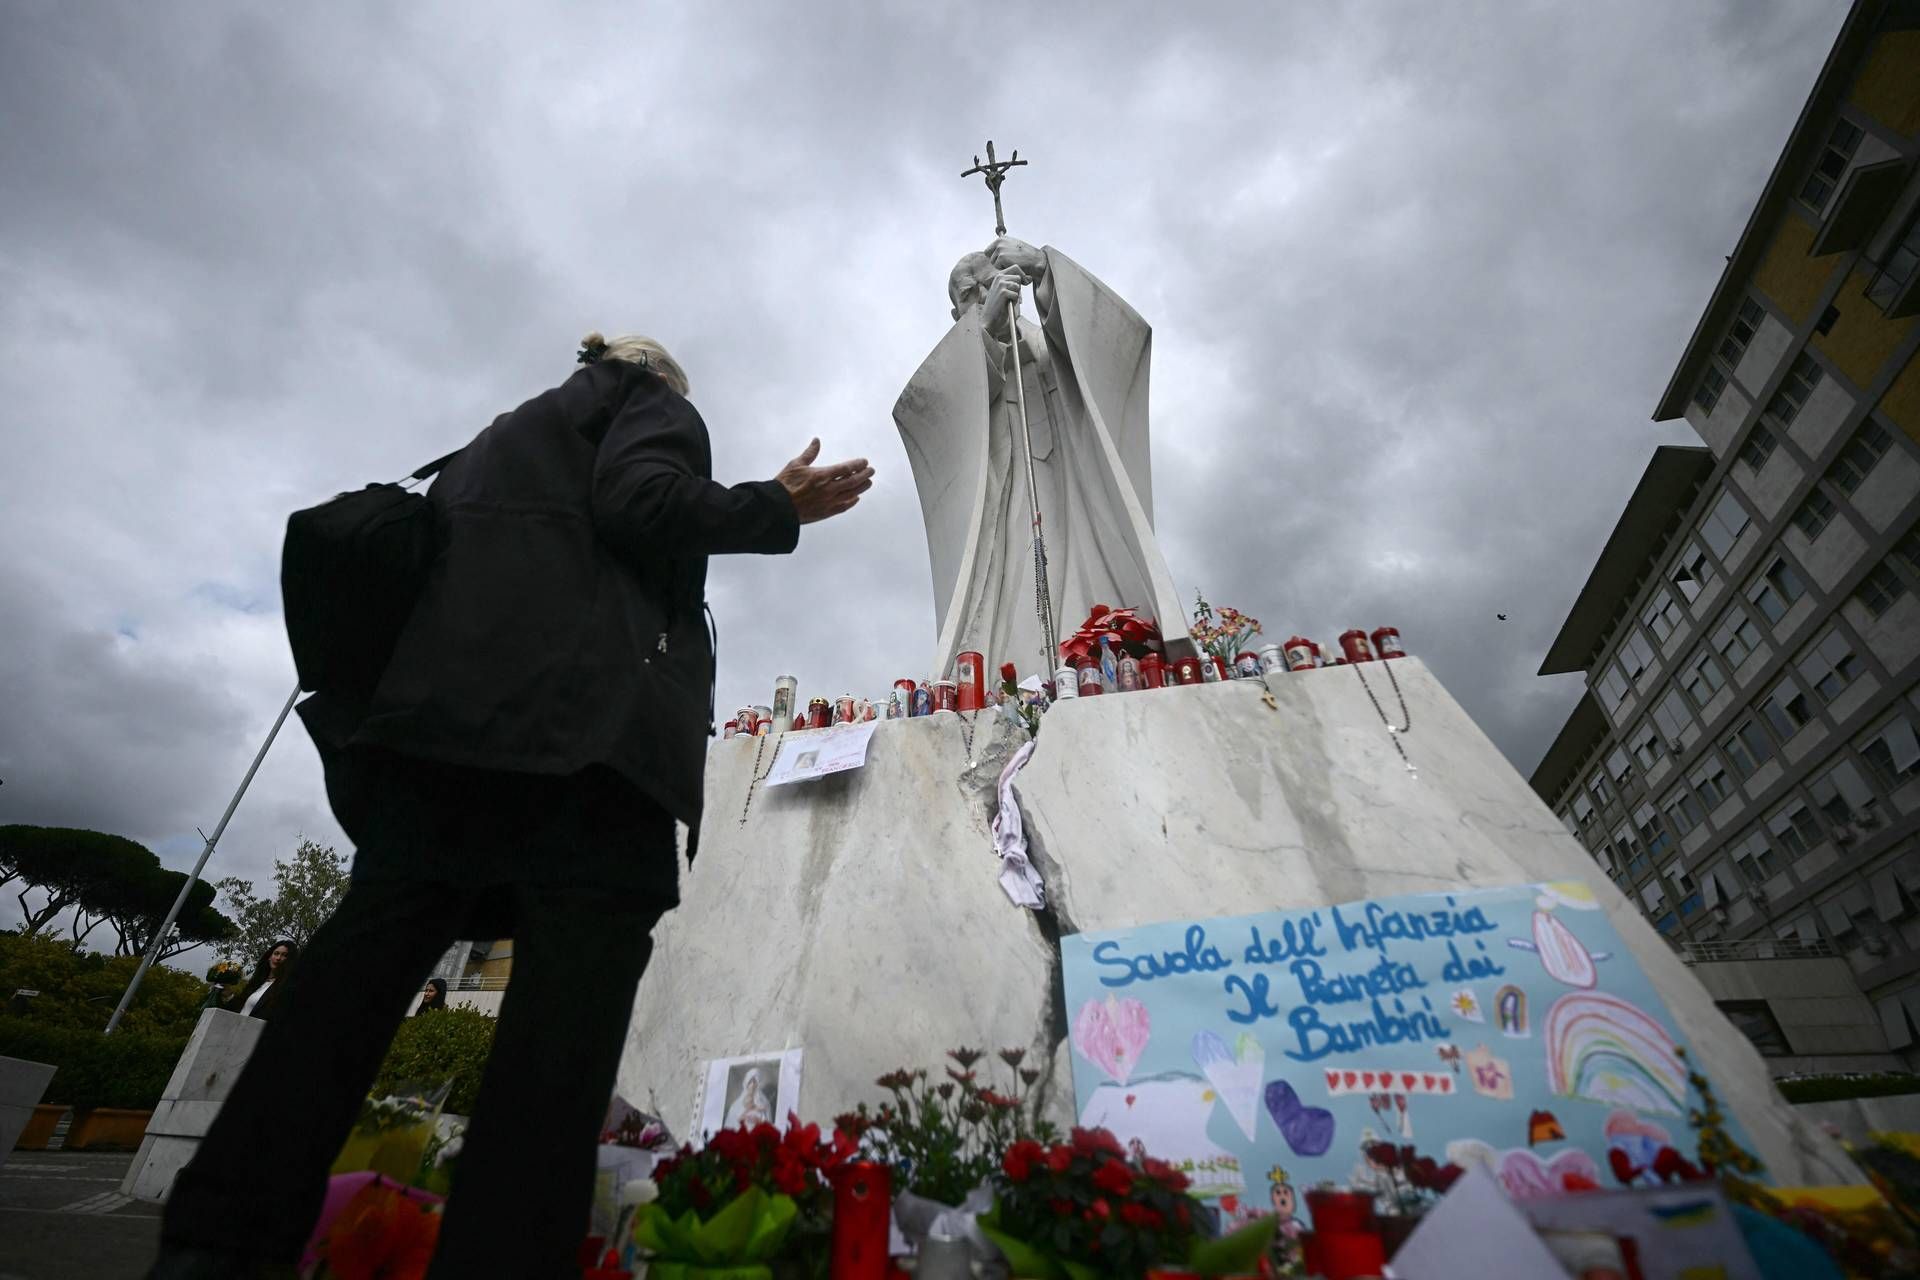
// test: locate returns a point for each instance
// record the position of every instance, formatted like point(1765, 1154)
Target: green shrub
point(80, 988)
point(1841, 1088)
point(126, 1069)
point(449, 1045)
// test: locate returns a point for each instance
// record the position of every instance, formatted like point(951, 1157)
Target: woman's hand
point(821, 492)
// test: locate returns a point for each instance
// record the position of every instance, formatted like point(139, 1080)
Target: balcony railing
point(1709, 952)
point(477, 982)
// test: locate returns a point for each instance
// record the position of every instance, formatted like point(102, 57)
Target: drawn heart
point(1131, 1098)
point(1112, 1034)
point(1525, 1176)
point(1333, 1081)
point(1407, 1078)
point(1352, 1077)
point(1234, 1074)
point(1428, 1081)
point(1308, 1130)
point(1366, 1078)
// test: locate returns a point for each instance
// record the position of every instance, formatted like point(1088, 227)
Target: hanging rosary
point(759, 752)
point(1395, 731)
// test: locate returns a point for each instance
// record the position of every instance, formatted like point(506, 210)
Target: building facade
point(1744, 762)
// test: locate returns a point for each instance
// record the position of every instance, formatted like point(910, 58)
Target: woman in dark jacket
point(434, 998)
point(541, 724)
point(261, 996)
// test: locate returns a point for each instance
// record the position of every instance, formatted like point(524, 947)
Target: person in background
point(517, 772)
point(262, 994)
point(434, 998)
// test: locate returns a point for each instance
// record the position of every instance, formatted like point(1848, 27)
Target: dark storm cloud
point(1416, 275)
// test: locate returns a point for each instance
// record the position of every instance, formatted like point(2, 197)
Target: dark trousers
point(524, 1181)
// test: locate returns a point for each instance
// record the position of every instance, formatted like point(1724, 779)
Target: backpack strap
point(432, 469)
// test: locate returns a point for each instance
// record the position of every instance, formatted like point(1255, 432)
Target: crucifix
point(994, 172)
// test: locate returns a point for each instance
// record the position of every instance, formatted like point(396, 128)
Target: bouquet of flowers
point(1417, 1181)
point(393, 1133)
point(1084, 1209)
point(1136, 635)
point(739, 1200)
point(1223, 633)
point(371, 1229)
point(226, 974)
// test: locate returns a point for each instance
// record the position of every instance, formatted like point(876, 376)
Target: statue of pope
point(1083, 369)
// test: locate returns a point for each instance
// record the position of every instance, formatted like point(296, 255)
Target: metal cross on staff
point(994, 172)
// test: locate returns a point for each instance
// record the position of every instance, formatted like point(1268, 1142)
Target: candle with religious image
point(862, 1210)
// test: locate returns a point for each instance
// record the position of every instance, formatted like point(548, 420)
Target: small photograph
point(757, 1088)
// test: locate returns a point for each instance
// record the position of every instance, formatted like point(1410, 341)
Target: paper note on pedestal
point(802, 756)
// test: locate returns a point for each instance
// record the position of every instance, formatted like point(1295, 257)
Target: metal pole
point(180, 901)
point(1043, 596)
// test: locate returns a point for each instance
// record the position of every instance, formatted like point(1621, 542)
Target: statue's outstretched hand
point(820, 492)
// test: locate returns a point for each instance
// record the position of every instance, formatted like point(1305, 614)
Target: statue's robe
point(1084, 370)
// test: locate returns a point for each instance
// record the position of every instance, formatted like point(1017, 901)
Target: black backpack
point(351, 571)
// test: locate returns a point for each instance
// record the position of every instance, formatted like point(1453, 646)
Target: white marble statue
point(1084, 372)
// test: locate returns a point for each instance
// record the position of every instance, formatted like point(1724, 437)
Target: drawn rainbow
point(1603, 1049)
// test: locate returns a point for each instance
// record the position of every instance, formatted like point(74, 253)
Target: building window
point(1740, 332)
point(1858, 456)
point(1898, 268)
point(1582, 808)
point(1647, 747)
point(1672, 717)
point(1712, 383)
point(1653, 832)
point(1747, 748)
point(1612, 687)
point(1710, 780)
point(1736, 637)
point(1795, 829)
point(1832, 164)
point(1759, 446)
point(1691, 572)
point(1598, 787)
point(1880, 588)
point(1636, 654)
point(1830, 666)
point(1754, 1020)
point(1724, 524)
point(1893, 754)
point(1906, 552)
point(1684, 810)
point(1663, 614)
point(1786, 709)
point(1814, 515)
point(1841, 793)
point(1620, 766)
point(1802, 377)
point(1756, 860)
point(1775, 590)
point(1702, 678)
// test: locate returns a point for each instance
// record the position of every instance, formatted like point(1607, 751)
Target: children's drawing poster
point(1504, 1027)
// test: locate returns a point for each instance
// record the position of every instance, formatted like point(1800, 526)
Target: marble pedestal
point(22, 1085)
point(218, 1049)
point(859, 917)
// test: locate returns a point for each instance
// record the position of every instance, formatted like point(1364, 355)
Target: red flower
point(1446, 1177)
point(1019, 1160)
point(1059, 1159)
point(1165, 1174)
point(1092, 1141)
point(1384, 1154)
point(1139, 1215)
point(1009, 673)
point(1061, 1206)
point(1113, 1177)
point(1100, 1209)
point(382, 1235)
point(1624, 1170)
point(1000, 1100)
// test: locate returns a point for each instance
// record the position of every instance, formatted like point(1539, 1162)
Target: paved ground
point(62, 1217)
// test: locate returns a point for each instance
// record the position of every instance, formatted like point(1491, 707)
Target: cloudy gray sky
point(1416, 274)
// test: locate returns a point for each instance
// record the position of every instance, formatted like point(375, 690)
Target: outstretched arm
point(651, 502)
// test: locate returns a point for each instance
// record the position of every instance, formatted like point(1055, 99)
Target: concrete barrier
point(219, 1048)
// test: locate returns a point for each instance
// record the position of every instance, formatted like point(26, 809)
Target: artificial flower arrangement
point(751, 1201)
point(1085, 1208)
point(1133, 633)
point(1223, 632)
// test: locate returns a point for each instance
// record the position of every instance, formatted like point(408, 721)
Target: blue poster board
point(1506, 1027)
